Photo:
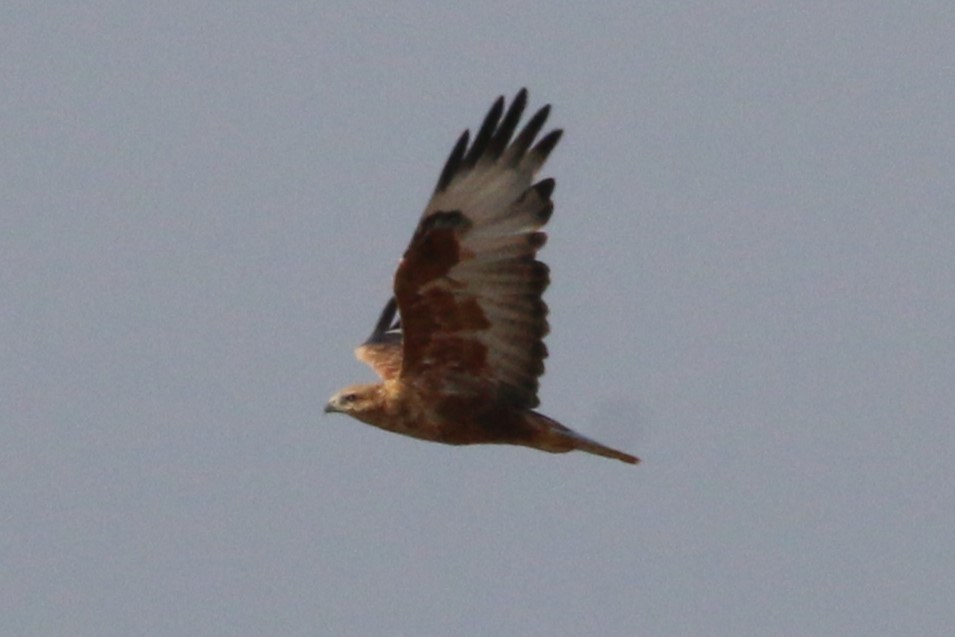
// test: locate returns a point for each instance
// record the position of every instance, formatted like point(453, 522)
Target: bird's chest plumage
point(456, 419)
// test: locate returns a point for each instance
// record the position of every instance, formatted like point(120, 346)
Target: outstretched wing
point(469, 285)
point(382, 350)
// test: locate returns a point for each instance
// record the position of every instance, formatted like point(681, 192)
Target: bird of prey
point(459, 347)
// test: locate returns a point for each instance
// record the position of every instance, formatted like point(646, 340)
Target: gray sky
point(753, 290)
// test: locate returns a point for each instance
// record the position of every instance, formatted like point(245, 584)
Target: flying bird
point(459, 347)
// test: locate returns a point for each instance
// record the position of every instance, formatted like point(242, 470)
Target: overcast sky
point(201, 208)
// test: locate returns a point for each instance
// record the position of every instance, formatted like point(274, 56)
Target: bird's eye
point(350, 398)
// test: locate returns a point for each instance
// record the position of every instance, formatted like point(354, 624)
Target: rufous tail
point(550, 435)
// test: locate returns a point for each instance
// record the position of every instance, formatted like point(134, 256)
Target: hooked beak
point(330, 408)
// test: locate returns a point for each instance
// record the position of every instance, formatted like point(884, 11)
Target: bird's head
point(358, 401)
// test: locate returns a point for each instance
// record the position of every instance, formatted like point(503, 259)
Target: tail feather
point(550, 435)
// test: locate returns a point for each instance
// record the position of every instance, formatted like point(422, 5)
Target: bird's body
point(461, 365)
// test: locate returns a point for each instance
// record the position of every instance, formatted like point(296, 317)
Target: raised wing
point(469, 286)
point(382, 350)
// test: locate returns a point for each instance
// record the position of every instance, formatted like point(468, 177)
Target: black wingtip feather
point(485, 133)
point(545, 188)
point(384, 324)
point(545, 213)
point(508, 125)
point(547, 144)
point(530, 131)
point(454, 162)
point(536, 240)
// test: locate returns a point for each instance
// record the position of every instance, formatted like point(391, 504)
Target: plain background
point(752, 252)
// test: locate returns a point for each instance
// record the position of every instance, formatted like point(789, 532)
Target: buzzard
point(459, 347)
